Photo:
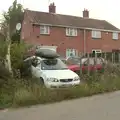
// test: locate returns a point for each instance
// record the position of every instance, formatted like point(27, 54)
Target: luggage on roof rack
point(46, 53)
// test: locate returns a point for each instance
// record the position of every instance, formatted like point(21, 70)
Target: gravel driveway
point(101, 107)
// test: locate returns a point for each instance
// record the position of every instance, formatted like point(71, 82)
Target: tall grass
point(25, 92)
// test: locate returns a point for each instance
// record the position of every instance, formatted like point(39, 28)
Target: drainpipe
point(84, 49)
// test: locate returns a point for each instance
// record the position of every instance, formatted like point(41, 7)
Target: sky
point(99, 9)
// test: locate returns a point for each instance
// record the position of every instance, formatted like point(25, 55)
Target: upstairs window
point(44, 29)
point(115, 36)
point(96, 34)
point(71, 32)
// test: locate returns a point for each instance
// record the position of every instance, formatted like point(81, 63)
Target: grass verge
point(26, 92)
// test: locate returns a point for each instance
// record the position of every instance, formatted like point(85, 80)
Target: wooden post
point(95, 61)
point(105, 56)
point(88, 56)
point(119, 57)
point(112, 58)
point(80, 64)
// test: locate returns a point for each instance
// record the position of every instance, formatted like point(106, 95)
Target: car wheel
point(41, 81)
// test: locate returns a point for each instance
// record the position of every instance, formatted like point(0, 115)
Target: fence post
point(112, 58)
point(119, 57)
point(88, 56)
point(105, 56)
point(81, 64)
point(95, 61)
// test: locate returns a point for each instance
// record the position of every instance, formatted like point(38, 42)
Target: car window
point(73, 60)
point(52, 64)
point(99, 61)
point(90, 62)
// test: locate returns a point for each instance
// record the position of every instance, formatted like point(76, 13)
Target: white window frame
point(115, 35)
point(71, 31)
point(44, 29)
point(71, 51)
point(96, 34)
point(97, 50)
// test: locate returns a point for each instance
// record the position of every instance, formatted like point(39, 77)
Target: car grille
point(66, 80)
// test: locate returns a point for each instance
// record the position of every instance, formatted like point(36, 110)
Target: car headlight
point(77, 78)
point(52, 79)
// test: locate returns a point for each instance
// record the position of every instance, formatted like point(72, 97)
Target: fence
point(113, 58)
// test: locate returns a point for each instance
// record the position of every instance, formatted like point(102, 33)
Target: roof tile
point(67, 20)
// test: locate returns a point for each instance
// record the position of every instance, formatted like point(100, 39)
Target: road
point(101, 107)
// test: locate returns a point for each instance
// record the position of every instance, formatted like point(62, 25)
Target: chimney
point(52, 8)
point(85, 13)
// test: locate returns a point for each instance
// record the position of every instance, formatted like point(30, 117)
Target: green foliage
point(3, 49)
point(17, 53)
point(13, 16)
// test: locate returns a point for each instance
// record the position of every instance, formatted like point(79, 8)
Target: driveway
point(101, 107)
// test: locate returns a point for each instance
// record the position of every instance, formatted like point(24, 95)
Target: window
point(97, 51)
point(115, 36)
point(96, 34)
point(71, 32)
point(44, 29)
point(52, 64)
point(71, 52)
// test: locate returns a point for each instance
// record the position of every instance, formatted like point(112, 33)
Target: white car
point(53, 72)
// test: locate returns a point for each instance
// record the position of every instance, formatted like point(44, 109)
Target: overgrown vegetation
point(25, 92)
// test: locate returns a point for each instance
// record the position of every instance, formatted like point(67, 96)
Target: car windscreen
point(73, 60)
point(52, 64)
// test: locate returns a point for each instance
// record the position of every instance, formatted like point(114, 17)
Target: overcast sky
point(100, 9)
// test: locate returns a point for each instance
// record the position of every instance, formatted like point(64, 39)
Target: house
point(69, 34)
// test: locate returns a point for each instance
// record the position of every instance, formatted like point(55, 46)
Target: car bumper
point(61, 84)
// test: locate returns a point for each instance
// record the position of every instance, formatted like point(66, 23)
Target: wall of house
point(106, 43)
point(58, 38)
point(26, 31)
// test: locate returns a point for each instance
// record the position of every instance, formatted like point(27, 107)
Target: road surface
point(101, 107)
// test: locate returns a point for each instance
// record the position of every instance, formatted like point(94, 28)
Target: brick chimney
point(85, 13)
point(52, 8)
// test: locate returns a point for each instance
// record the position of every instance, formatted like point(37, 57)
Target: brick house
point(69, 34)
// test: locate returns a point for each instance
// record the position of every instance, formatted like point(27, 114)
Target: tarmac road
point(101, 107)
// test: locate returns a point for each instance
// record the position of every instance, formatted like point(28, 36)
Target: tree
point(13, 16)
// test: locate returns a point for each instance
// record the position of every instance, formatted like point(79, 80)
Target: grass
point(26, 92)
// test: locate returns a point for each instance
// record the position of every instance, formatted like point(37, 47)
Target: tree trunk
point(8, 56)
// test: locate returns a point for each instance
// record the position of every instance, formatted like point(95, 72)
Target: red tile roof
point(67, 20)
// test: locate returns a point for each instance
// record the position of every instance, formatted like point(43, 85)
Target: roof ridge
point(64, 15)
